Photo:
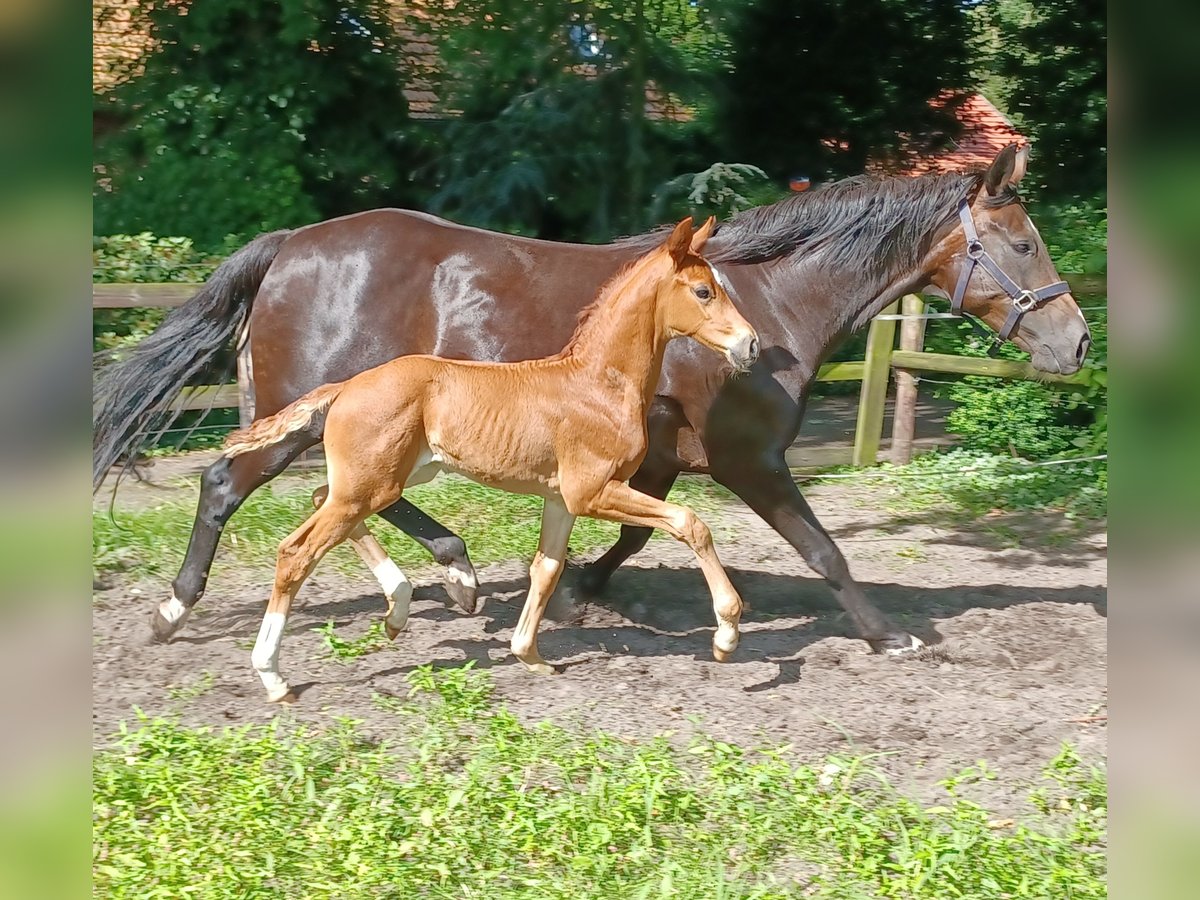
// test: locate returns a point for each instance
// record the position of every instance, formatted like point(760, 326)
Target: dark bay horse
point(570, 428)
point(333, 299)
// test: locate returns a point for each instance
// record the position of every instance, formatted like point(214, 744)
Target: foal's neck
point(623, 335)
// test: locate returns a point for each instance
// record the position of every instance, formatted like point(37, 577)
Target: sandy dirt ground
point(1013, 608)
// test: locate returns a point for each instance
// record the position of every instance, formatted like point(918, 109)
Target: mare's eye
point(1023, 247)
point(702, 291)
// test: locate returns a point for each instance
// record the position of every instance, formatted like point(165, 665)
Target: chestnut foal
point(570, 427)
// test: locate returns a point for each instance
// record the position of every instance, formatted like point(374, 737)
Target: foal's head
point(693, 302)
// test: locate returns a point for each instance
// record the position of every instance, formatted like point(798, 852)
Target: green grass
point(467, 802)
point(495, 525)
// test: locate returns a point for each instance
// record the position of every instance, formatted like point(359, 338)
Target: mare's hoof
point(899, 643)
point(163, 629)
point(464, 596)
point(592, 580)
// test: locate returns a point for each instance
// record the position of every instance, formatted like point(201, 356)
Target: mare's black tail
point(132, 398)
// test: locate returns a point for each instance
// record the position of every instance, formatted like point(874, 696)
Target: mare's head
point(693, 302)
point(1050, 328)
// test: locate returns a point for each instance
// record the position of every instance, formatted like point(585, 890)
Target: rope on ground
point(1020, 463)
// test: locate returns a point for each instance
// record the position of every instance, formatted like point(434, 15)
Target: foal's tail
point(307, 415)
point(134, 398)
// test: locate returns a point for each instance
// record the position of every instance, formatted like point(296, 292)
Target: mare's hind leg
point(771, 492)
point(299, 554)
point(224, 486)
point(544, 573)
point(396, 587)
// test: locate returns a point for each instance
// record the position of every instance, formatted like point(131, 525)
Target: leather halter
point(1022, 300)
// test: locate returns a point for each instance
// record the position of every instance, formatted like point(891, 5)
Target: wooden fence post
point(245, 379)
point(869, 428)
point(904, 416)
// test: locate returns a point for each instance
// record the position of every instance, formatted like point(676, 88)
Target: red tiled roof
point(985, 132)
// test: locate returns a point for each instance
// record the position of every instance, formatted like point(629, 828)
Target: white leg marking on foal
point(265, 657)
point(399, 591)
point(459, 573)
point(173, 610)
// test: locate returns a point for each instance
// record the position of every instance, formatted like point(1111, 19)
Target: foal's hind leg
point(299, 554)
point(619, 502)
point(224, 486)
point(396, 587)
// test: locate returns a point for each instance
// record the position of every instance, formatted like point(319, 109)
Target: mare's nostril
point(1084, 343)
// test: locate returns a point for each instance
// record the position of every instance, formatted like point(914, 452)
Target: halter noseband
point(1022, 300)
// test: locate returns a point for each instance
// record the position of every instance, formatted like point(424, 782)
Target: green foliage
point(1048, 61)
point(468, 802)
point(249, 117)
point(552, 135)
point(720, 190)
point(817, 87)
point(349, 649)
point(973, 483)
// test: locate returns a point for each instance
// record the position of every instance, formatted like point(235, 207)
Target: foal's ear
point(680, 241)
point(1007, 169)
point(703, 233)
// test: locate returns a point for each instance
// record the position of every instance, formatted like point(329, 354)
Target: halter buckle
point(1025, 301)
point(975, 249)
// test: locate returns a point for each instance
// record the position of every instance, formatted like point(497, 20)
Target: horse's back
point(351, 293)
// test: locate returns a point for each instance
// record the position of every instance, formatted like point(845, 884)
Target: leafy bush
point(468, 802)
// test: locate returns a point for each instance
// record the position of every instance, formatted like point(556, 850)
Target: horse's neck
point(622, 336)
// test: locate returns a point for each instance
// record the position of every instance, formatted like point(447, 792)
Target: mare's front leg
point(766, 484)
point(618, 502)
point(544, 573)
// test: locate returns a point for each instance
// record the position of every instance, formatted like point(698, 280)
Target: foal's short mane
point(879, 226)
point(617, 282)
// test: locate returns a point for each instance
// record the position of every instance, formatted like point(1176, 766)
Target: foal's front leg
point(544, 573)
point(619, 502)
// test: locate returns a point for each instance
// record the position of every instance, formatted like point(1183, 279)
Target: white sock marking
point(460, 573)
point(173, 611)
point(392, 580)
point(265, 656)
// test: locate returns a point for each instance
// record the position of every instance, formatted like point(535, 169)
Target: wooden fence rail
point(881, 360)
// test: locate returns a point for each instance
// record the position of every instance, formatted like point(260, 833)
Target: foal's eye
point(1023, 247)
point(702, 291)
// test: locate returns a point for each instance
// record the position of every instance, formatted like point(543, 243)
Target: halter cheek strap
point(1022, 301)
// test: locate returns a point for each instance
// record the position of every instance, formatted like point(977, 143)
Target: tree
point(1053, 57)
point(251, 116)
point(819, 86)
point(549, 133)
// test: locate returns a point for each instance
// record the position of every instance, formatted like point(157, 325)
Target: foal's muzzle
point(744, 352)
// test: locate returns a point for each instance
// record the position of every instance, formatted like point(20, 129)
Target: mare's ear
point(680, 241)
point(703, 233)
point(1007, 169)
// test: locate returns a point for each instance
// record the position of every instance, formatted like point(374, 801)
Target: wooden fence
point(882, 360)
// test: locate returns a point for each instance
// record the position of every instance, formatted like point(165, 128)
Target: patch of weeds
point(197, 687)
point(347, 649)
point(470, 802)
point(912, 553)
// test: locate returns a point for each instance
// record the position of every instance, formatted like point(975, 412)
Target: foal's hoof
point(898, 643)
point(282, 695)
point(391, 632)
point(539, 668)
